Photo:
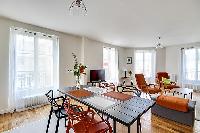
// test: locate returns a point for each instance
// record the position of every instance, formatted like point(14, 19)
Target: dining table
point(122, 108)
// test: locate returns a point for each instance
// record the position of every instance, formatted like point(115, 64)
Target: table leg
point(129, 129)
point(138, 126)
point(184, 95)
point(114, 126)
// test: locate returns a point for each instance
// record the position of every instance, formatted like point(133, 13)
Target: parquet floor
point(150, 123)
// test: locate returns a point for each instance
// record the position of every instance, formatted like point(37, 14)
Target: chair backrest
point(161, 75)
point(51, 99)
point(73, 111)
point(140, 80)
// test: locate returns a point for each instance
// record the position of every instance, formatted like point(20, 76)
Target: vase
point(78, 82)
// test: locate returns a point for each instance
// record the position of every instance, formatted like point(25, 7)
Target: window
point(191, 65)
point(145, 63)
point(110, 64)
point(33, 64)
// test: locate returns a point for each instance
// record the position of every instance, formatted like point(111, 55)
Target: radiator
point(31, 102)
point(195, 87)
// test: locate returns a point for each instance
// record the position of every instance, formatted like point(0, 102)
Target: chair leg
point(49, 120)
point(57, 125)
point(65, 122)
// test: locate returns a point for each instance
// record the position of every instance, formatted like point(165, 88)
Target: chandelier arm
point(85, 7)
point(71, 5)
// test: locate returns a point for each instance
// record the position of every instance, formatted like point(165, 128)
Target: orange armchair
point(159, 81)
point(144, 87)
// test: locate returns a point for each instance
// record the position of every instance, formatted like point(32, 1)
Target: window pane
point(45, 63)
point(190, 64)
point(24, 62)
point(148, 64)
point(110, 64)
point(144, 63)
point(139, 62)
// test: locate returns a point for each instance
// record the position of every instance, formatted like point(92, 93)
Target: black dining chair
point(56, 108)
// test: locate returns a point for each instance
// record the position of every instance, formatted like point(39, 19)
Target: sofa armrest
point(154, 96)
point(191, 105)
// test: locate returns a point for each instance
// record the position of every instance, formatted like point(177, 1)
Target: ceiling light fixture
point(78, 8)
point(159, 45)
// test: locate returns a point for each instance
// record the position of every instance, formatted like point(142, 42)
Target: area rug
point(40, 127)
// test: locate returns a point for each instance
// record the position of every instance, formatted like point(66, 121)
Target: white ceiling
point(132, 23)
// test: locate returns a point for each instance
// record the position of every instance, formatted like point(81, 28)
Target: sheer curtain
point(33, 68)
point(191, 65)
point(144, 62)
point(110, 64)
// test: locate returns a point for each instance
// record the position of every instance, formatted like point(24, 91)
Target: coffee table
point(184, 91)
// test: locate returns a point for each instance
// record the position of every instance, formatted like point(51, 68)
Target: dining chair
point(144, 87)
point(85, 121)
point(57, 108)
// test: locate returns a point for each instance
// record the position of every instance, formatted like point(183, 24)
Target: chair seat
point(90, 127)
point(60, 113)
point(171, 87)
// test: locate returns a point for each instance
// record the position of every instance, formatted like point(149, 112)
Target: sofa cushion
point(191, 104)
point(171, 102)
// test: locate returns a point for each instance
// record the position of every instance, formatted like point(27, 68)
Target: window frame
point(14, 31)
point(153, 57)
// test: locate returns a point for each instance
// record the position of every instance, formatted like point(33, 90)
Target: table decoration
point(78, 70)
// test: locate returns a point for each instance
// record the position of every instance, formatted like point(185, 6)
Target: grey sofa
point(181, 117)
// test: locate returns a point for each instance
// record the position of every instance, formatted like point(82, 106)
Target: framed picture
point(129, 60)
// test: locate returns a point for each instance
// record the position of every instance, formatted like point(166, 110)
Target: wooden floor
point(150, 123)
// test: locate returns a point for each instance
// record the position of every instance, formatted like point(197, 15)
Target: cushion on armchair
point(171, 102)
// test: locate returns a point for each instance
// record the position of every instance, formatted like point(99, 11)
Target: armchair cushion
point(166, 81)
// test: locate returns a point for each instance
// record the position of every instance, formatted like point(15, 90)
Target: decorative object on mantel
point(130, 73)
point(129, 60)
point(78, 8)
point(79, 69)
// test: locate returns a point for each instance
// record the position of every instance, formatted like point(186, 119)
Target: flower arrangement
point(78, 69)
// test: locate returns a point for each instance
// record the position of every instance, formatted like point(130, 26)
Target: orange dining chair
point(159, 78)
point(85, 121)
point(144, 87)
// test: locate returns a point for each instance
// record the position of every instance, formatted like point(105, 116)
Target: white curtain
point(110, 64)
point(33, 67)
point(144, 62)
point(190, 66)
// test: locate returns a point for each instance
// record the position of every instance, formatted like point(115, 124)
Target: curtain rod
point(34, 33)
point(188, 48)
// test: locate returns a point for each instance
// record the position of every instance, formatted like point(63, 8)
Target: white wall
point(160, 60)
